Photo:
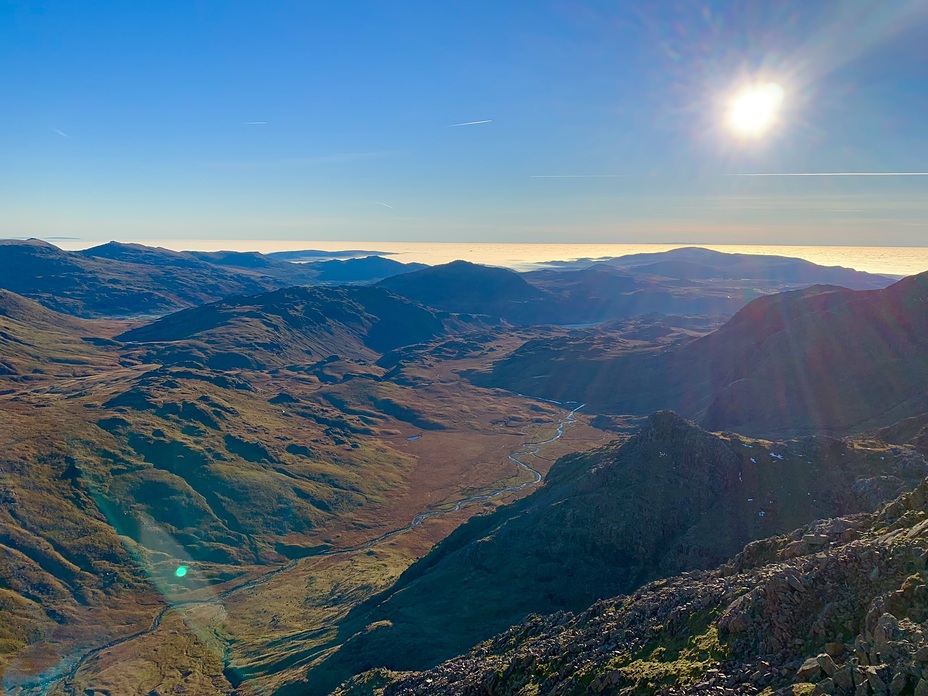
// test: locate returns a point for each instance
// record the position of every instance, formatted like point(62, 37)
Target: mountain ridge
point(820, 359)
point(290, 326)
point(127, 280)
point(836, 607)
point(671, 498)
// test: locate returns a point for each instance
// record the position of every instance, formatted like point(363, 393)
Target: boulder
point(827, 664)
point(810, 670)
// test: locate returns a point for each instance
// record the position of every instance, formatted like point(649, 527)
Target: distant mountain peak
point(31, 241)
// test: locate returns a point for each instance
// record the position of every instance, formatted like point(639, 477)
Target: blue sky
point(334, 120)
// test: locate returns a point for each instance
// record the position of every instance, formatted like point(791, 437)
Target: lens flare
point(753, 111)
point(181, 571)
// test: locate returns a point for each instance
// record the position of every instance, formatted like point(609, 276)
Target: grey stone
point(843, 678)
point(827, 664)
point(898, 684)
point(815, 539)
point(876, 681)
point(810, 670)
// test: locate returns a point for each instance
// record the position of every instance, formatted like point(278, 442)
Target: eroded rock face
point(845, 615)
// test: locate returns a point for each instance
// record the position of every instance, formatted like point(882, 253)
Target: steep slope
point(820, 359)
point(672, 498)
point(832, 360)
point(837, 607)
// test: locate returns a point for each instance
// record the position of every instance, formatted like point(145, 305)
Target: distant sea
point(899, 261)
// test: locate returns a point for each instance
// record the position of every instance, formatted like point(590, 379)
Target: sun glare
point(753, 111)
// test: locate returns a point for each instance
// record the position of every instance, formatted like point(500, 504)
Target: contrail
point(835, 174)
point(470, 123)
point(255, 123)
point(578, 176)
point(383, 204)
point(61, 133)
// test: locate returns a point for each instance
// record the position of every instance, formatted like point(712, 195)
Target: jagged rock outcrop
point(673, 498)
point(837, 607)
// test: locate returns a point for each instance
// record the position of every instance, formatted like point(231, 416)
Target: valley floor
point(250, 625)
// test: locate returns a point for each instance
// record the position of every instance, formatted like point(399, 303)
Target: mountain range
point(126, 280)
point(613, 289)
point(290, 326)
point(226, 472)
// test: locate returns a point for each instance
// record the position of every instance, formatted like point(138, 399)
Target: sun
point(754, 110)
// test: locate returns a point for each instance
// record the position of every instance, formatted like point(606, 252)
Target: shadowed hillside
point(839, 606)
point(681, 281)
point(820, 359)
point(672, 498)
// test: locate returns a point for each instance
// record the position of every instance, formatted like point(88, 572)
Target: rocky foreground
point(837, 607)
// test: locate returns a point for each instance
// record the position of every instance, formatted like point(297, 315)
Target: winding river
point(64, 675)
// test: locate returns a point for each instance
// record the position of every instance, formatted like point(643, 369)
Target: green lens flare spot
point(181, 571)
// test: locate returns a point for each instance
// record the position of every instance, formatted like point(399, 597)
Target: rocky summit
point(670, 499)
point(836, 607)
